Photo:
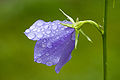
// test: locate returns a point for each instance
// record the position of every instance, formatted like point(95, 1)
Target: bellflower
point(56, 40)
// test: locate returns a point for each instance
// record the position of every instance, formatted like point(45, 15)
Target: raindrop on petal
point(31, 35)
point(48, 31)
point(62, 28)
point(56, 60)
point(39, 60)
point(43, 45)
point(67, 31)
point(49, 45)
point(46, 26)
point(42, 30)
point(39, 35)
point(38, 30)
point(35, 29)
point(39, 24)
point(32, 27)
point(57, 37)
point(73, 36)
point(44, 40)
point(54, 27)
point(57, 30)
point(65, 26)
point(27, 30)
point(49, 63)
point(48, 35)
point(47, 54)
point(39, 54)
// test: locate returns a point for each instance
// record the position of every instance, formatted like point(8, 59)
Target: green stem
point(104, 42)
point(80, 23)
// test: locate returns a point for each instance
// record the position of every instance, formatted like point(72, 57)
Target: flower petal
point(41, 29)
point(55, 42)
point(66, 56)
point(51, 50)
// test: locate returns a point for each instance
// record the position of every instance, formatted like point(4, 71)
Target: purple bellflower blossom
point(55, 42)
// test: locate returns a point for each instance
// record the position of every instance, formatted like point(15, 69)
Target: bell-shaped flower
point(55, 42)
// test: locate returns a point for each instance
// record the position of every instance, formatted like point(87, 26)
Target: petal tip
point(57, 70)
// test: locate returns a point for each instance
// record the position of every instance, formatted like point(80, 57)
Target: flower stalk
point(104, 37)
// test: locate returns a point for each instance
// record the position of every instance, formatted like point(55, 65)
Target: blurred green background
point(16, 50)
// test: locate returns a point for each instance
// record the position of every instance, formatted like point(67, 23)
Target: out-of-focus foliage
point(16, 50)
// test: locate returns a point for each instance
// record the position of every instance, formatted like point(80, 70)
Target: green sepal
point(78, 25)
point(76, 38)
point(68, 17)
point(68, 25)
point(86, 36)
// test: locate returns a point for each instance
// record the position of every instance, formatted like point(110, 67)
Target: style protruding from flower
point(56, 40)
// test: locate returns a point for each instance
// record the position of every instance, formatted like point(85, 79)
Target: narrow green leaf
point(68, 16)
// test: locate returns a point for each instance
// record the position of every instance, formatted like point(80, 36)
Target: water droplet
point(49, 63)
point(73, 36)
point(52, 34)
point(27, 30)
point(45, 34)
point(39, 55)
point(35, 29)
point(39, 60)
point(32, 27)
point(46, 26)
point(44, 40)
point(65, 26)
point(56, 60)
point(48, 31)
point(67, 31)
point(65, 35)
point(53, 23)
point(31, 35)
point(39, 35)
point(62, 28)
point(35, 58)
point(47, 54)
point(49, 45)
point(42, 30)
point(57, 37)
point(39, 24)
point(53, 31)
point(43, 45)
point(54, 27)
point(48, 35)
point(57, 30)
point(38, 30)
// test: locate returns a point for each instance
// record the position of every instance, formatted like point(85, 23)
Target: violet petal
point(55, 42)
